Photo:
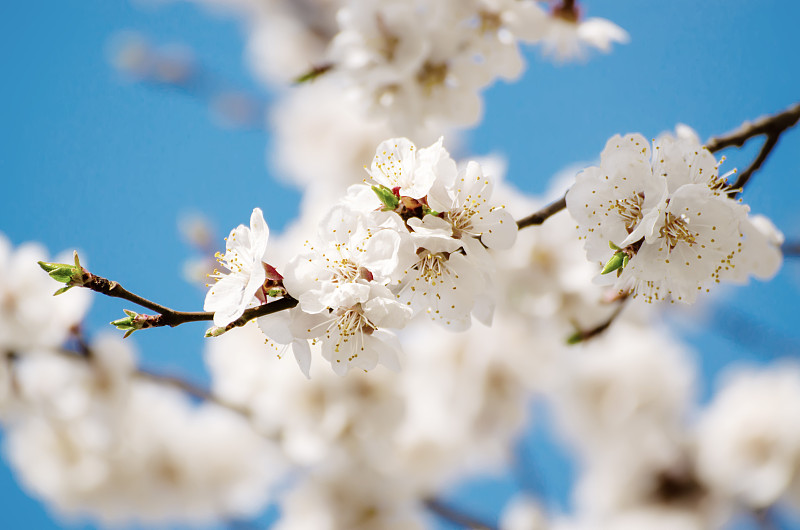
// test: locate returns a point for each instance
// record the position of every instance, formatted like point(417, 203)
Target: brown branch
point(791, 249)
point(171, 317)
point(189, 388)
point(770, 126)
point(745, 175)
point(542, 215)
point(166, 380)
point(456, 516)
point(586, 334)
point(773, 125)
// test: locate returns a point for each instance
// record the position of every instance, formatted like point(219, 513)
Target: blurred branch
point(586, 334)
point(765, 519)
point(456, 516)
point(161, 379)
point(542, 215)
point(189, 388)
point(791, 249)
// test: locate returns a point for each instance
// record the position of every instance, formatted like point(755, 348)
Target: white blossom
point(97, 441)
point(342, 287)
point(748, 440)
point(523, 512)
point(31, 317)
point(464, 203)
point(399, 164)
point(566, 36)
point(245, 254)
point(665, 220)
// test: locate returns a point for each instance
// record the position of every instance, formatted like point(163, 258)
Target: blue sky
point(92, 162)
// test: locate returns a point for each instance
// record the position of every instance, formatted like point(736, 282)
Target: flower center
point(432, 267)
point(461, 220)
point(432, 75)
point(630, 209)
point(676, 229)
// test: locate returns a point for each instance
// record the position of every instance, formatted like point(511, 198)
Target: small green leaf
point(71, 275)
point(312, 74)
point(614, 263)
point(129, 323)
point(60, 272)
point(389, 199)
point(612, 246)
point(575, 338)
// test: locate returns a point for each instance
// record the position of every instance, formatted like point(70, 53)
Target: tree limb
point(542, 215)
point(171, 317)
point(456, 516)
point(773, 125)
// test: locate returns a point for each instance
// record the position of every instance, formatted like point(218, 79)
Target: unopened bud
point(616, 262)
point(215, 331)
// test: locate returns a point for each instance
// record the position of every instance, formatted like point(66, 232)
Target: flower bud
point(71, 275)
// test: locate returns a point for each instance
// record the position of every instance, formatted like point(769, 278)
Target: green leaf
point(312, 74)
point(614, 263)
point(575, 338)
point(389, 199)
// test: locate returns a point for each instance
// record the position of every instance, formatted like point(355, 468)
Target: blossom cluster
point(426, 63)
point(664, 220)
point(411, 242)
point(414, 64)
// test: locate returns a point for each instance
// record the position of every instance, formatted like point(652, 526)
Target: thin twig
point(770, 126)
point(189, 388)
point(171, 317)
point(542, 215)
point(586, 334)
point(456, 516)
point(773, 125)
point(765, 519)
point(162, 379)
point(791, 249)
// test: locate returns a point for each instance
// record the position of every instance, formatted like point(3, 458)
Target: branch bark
point(542, 215)
point(456, 516)
point(171, 317)
point(773, 125)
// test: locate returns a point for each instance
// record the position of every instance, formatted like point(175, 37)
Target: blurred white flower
point(748, 440)
point(566, 36)
point(31, 317)
point(523, 512)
